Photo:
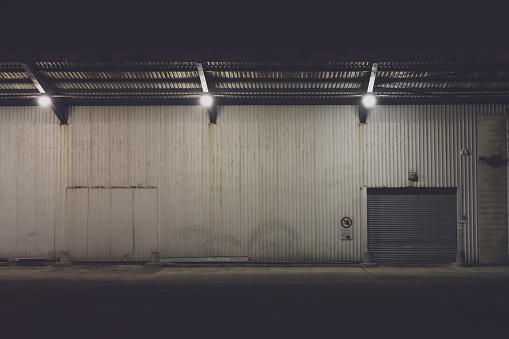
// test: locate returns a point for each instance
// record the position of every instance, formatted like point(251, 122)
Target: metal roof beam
point(289, 69)
point(16, 81)
point(268, 90)
point(114, 69)
point(442, 78)
point(16, 91)
point(203, 79)
point(43, 88)
point(350, 80)
point(11, 69)
point(124, 81)
point(426, 67)
point(402, 100)
point(449, 90)
point(123, 91)
point(372, 77)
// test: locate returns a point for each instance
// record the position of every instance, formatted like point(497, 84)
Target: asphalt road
point(346, 302)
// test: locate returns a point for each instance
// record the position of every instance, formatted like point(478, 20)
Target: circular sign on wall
point(346, 222)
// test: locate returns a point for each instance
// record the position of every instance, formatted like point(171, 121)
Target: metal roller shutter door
point(412, 225)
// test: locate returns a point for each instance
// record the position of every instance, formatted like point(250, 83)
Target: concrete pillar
point(492, 188)
point(64, 260)
point(460, 254)
point(368, 260)
point(154, 258)
point(64, 256)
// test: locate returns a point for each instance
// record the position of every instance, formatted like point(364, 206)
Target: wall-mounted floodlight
point(206, 100)
point(44, 100)
point(368, 100)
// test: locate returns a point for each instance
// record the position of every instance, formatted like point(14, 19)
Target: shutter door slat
point(412, 226)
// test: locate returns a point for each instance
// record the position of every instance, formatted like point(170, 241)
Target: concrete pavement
point(125, 301)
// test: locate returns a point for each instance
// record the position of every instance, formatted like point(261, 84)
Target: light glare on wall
point(206, 100)
point(44, 100)
point(369, 100)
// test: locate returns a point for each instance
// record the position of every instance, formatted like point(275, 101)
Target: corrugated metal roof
point(254, 82)
point(115, 75)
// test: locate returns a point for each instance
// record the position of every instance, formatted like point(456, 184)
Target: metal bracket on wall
point(56, 104)
point(363, 114)
point(370, 84)
point(212, 111)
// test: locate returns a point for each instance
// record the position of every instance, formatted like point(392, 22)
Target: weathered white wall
point(286, 176)
point(29, 181)
point(268, 182)
point(145, 148)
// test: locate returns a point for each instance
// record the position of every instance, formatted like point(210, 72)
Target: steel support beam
point(364, 111)
point(211, 111)
point(118, 69)
point(203, 80)
point(57, 106)
point(92, 81)
point(444, 67)
point(447, 90)
point(306, 68)
point(270, 90)
point(372, 77)
point(130, 91)
point(352, 81)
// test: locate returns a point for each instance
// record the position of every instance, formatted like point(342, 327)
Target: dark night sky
point(252, 26)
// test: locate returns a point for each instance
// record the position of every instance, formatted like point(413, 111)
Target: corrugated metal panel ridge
point(80, 65)
point(121, 75)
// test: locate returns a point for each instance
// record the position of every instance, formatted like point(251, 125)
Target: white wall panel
point(29, 187)
point(145, 221)
point(80, 147)
point(99, 224)
point(122, 224)
point(77, 223)
point(112, 224)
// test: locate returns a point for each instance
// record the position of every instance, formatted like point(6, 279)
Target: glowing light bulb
point(44, 100)
point(369, 100)
point(206, 100)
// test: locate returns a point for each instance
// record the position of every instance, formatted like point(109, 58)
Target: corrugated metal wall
point(112, 224)
point(427, 140)
point(29, 182)
point(145, 148)
point(286, 176)
point(268, 182)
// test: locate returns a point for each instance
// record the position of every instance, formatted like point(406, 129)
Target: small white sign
point(346, 234)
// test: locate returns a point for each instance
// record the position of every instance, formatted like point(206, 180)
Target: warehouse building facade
point(407, 183)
